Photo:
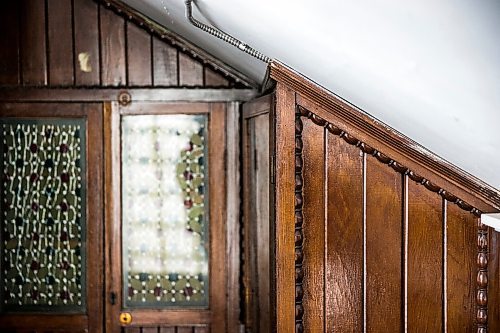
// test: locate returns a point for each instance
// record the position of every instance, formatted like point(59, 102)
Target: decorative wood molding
point(302, 112)
point(442, 173)
point(482, 278)
point(136, 94)
point(177, 41)
point(299, 233)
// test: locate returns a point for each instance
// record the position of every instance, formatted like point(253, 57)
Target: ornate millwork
point(299, 234)
point(386, 160)
point(482, 278)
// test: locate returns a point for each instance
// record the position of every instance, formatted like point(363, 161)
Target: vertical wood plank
point(33, 43)
point(165, 71)
point(139, 56)
point(132, 330)
point(261, 204)
point(113, 57)
point(9, 41)
point(60, 34)
point(344, 299)
point(461, 269)
point(149, 330)
point(167, 330)
point(201, 329)
point(313, 174)
point(493, 281)
point(185, 329)
point(86, 33)
point(284, 198)
point(384, 218)
point(213, 79)
point(425, 260)
point(217, 195)
point(190, 71)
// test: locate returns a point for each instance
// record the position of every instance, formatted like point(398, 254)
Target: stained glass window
point(164, 216)
point(42, 214)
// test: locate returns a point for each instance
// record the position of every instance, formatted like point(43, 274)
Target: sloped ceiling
point(430, 69)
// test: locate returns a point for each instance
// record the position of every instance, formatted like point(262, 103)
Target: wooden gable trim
point(177, 41)
point(389, 145)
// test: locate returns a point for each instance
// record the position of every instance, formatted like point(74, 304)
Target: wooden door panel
point(58, 152)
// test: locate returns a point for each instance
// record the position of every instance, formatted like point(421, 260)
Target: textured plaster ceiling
point(430, 69)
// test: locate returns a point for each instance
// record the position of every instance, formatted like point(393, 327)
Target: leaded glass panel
point(164, 215)
point(42, 214)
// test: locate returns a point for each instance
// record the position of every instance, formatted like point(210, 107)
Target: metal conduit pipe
point(222, 35)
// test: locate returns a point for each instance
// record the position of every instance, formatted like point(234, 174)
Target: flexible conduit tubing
point(222, 35)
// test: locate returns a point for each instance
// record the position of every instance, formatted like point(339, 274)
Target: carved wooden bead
point(298, 182)
point(299, 292)
point(298, 201)
point(482, 226)
point(482, 316)
point(464, 205)
point(482, 330)
point(302, 111)
point(482, 242)
point(298, 126)
point(482, 297)
point(299, 256)
point(448, 196)
point(398, 167)
point(299, 327)
point(432, 187)
point(299, 219)
point(298, 145)
point(417, 178)
point(299, 274)
point(298, 163)
point(298, 237)
point(482, 260)
point(333, 129)
point(382, 158)
point(318, 120)
point(350, 139)
point(482, 279)
point(299, 311)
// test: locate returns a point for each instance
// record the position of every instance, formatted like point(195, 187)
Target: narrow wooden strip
point(494, 282)
point(384, 241)
point(86, 58)
point(60, 34)
point(113, 66)
point(425, 260)
point(345, 237)
point(190, 71)
point(33, 47)
point(284, 142)
point(461, 269)
point(164, 64)
point(405, 253)
point(9, 41)
point(313, 247)
point(138, 56)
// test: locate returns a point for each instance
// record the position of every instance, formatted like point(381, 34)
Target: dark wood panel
point(33, 33)
point(113, 61)
point(138, 56)
point(344, 296)
point(190, 71)
point(86, 57)
point(132, 330)
point(60, 46)
point(461, 269)
point(425, 260)
point(9, 41)
point(213, 79)
point(493, 281)
point(384, 218)
point(313, 245)
point(165, 71)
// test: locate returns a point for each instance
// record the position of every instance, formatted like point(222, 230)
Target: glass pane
point(43, 215)
point(165, 221)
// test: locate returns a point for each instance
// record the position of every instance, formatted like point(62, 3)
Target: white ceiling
point(430, 69)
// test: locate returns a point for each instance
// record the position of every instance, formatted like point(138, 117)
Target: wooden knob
point(125, 318)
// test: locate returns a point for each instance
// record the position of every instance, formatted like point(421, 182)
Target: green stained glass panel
point(164, 216)
point(42, 215)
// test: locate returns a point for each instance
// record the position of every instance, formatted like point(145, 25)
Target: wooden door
point(165, 218)
point(51, 250)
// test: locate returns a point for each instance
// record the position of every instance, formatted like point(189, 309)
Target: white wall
point(430, 69)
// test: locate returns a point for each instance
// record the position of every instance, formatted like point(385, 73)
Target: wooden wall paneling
point(9, 41)
point(132, 330)
point(233, 215)
point(344, 258)
point(213, 79)
point(185, 329)
point(33, 43)
point(149, 330)
point(461, 252)
point(166, 330)
point(493, 281)
point(284, 216)
point(190, 71)
point(60, 45)
point(425, 259)
point(165, 71)
point(113, 48)
point(384, 217)
point(86, 34)
point(138, 56)
point(202, 329)
point(218, 241)
point(312, 246)
point(260, 220)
